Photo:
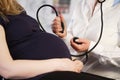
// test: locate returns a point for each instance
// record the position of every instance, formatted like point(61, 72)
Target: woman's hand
point(68, 65)
point(82, 47)
point(57, 26)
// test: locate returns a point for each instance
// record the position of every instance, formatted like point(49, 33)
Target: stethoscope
point(74, 39)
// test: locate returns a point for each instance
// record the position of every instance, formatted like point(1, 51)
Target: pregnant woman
point(28, 53)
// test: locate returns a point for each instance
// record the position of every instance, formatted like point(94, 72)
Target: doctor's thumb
point(61, 16)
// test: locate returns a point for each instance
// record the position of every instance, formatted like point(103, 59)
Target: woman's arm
point(21, 69)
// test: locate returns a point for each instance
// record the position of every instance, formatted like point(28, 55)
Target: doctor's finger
point(56, 26)
point(57, 19)
point(77, 47)
point(57, 31)
point(56, 23)
point(61, 18)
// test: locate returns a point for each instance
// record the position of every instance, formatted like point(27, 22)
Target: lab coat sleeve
point(108, 55)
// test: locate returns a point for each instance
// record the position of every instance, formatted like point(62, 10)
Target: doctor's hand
point(82, 47)
point(57, 26)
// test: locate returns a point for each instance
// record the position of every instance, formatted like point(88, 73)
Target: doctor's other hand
point(82, 46)
point(57, 26)
point(68, 65)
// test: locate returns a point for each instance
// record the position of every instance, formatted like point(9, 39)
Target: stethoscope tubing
point(87, 52)
point(37, 14)
point(56, 13)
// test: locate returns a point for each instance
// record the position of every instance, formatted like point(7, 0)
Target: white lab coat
point(104, 60)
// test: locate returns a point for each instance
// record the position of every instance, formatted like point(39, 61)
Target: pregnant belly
point(41, 46)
